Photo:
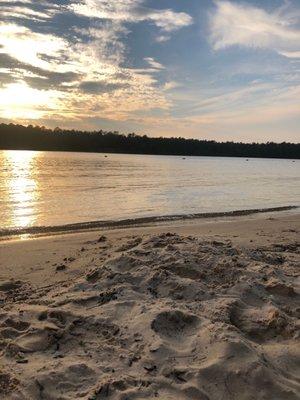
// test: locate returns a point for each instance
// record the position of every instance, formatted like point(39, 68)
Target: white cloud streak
point(153, 63)
point(132, 11)
point(234, 24)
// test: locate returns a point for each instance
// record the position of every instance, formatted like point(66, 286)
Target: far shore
point(18, 137)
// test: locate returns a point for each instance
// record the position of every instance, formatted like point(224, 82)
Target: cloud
point(36, 77)
point(153, 63)
point(162, 38)
point(24, 13)
point(96, 87)
point(132, 11)
point(169, 20)
point(5, 79)
point(171, 85)
point(28, 46)
point(234, 24)
point(258, 102)
point(28, 10)
point(84, 63)
point(291, 54)
point(68, 62)
point(52, 80)
point(258, 112)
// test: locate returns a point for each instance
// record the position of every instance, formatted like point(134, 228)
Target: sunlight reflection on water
point(20, 186)
point(48, 188)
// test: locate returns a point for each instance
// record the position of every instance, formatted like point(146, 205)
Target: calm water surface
point(49, 188)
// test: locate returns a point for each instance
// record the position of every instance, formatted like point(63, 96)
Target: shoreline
point(249, 230)
point(41, 231)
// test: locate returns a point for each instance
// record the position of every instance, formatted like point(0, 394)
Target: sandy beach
point(197, 309)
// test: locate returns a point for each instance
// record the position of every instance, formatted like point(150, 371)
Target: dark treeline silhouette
point(20, 137)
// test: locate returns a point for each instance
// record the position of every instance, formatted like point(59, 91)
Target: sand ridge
point(162, 316)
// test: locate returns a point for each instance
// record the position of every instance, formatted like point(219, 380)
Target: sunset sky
point(224, 70)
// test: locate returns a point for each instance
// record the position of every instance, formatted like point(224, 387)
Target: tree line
point(19, 137)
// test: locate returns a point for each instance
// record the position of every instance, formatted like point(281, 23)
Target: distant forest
point(20, 137)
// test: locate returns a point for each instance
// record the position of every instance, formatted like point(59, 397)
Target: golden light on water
point(21, 186)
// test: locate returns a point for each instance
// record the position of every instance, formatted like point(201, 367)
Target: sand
point(193, 310)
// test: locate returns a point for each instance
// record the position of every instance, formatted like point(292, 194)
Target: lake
point(52, 188)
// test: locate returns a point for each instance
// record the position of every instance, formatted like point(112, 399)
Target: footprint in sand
point(175, 325)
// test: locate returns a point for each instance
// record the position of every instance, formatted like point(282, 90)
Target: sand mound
point(163, 317)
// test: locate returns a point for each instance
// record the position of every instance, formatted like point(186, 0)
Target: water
point(51, 189)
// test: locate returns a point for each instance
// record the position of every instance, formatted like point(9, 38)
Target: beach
point(149, 200)
point(194, 309)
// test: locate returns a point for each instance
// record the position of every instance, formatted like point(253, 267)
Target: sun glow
point(19, 101)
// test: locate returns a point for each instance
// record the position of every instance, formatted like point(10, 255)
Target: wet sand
point(178, 310)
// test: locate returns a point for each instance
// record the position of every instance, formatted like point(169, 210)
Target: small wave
point(92, 225)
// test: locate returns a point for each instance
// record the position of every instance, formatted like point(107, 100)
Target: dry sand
point(196, 310)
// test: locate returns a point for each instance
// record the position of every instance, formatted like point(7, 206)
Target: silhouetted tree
point(40, 138)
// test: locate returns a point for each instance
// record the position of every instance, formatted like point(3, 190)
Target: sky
point(207, 69)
